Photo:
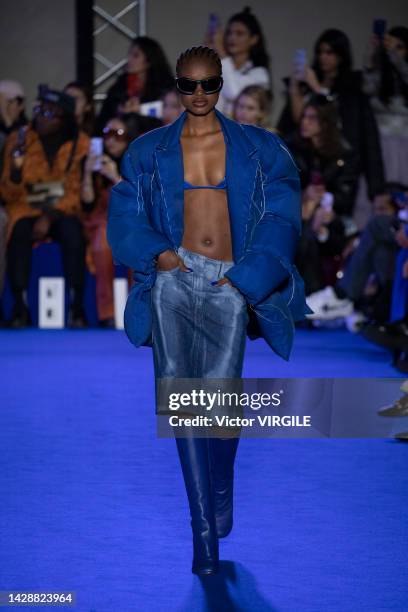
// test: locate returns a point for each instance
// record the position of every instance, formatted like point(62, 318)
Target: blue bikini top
point(221, 185)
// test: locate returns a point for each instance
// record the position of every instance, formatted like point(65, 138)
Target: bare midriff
point(206, 217)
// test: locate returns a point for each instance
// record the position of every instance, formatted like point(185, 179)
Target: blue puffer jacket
point(146, 217)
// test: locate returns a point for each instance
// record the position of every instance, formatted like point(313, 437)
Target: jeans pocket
point(236, 292)
point(232, 290)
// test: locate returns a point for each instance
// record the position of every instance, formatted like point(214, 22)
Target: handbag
point(45, 194)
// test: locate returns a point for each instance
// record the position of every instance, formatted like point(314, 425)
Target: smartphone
point(299, 61)
point(403, 215)
point(327, 201)
point(152, 109)
point(96, 149)
point(400, 198)
point(213, 23)
point(379, 28)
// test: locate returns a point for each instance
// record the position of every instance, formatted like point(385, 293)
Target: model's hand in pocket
point(169, 260)
point(222, 281)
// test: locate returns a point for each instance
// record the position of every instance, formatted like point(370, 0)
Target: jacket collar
point(232, 133)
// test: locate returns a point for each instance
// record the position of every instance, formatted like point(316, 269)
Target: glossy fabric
point(199, 330)
point(146, 217)
point(194, 456)
point(222, 458)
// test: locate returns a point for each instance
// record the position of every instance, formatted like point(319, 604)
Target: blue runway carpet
point(92, 501)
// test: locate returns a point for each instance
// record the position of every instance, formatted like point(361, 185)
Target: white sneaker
point(355, 321)
point(326, 305)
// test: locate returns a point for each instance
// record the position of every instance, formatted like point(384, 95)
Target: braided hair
point(192, 53)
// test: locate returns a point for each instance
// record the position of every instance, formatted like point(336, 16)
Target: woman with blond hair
point(253, 107)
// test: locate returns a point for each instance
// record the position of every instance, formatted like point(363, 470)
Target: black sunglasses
point(46, 112)
point(188, 86)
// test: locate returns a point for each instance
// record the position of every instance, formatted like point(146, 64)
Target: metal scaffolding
point(111, 36)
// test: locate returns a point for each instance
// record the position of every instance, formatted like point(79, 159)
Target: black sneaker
point(386, 335)
point(107, 323)
point(77, 319)
point(398, 409)
point(20, 317)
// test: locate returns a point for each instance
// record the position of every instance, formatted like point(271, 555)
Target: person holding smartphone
point(243, 54)
point(187, 219)
point(385, 77)
point(331, 74)
point(101, 173)
point(329, 176)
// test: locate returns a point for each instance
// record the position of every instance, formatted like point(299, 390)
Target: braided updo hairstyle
point(192, 53)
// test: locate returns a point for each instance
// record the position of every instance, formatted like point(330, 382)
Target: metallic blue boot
point(195, 463)
point(223, 452)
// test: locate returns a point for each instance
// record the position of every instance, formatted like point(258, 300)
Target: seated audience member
point(386, 82)
point(146, 77)
point(244, 58)
point(12, 114)
point(100, 174)
point(394, 333)
point(253, 106)
point(368, 276)
point(172, 107)
point(331, 75)
point(84, 108)
point(40, 186)
point(329, 175)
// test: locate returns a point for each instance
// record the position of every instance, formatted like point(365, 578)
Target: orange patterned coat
point(36, 169)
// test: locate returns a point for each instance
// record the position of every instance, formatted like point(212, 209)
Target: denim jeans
point(376, 252)
point(199, 330)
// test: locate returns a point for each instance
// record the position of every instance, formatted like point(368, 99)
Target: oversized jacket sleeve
point(131, 237)
point(268, 259)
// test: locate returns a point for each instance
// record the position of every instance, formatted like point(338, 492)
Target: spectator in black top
point(331, 74)
point(329, 175)
point(84, 107)
point(147, 76)
point(386, 82)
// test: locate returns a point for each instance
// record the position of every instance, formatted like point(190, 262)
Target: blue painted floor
point(92, 501)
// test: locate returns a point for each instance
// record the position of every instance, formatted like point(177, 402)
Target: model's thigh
point(173, 324)
point(223, 324)
point(199, 330)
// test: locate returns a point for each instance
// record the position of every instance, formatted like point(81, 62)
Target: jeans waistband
point(214, 266)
